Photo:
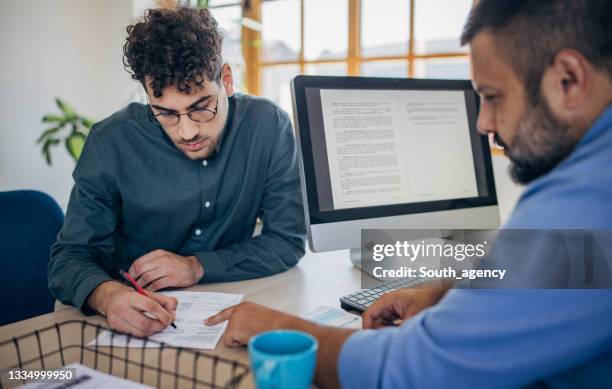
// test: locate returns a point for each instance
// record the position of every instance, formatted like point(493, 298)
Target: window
point(438, 24)
point(228, 14)
point(325, 29)
point(385, 29)
point(391, 38)
point(280, 30)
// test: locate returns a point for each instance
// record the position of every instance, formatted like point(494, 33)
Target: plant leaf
point(65, 108)
point(45, 149)
point(87, 122)
point(53, 119)
point(74, 141)
point(47, 133)
point(74, 144)
point(45, 152)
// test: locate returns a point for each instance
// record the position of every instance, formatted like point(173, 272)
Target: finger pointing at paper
point(247, 319)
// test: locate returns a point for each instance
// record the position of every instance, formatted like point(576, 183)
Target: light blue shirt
point(508, 337)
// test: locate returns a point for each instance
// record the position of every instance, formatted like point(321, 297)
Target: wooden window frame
point(252, 44)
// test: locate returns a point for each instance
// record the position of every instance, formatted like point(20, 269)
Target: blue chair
point(29, 224)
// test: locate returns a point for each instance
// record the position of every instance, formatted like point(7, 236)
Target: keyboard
point(363, 298)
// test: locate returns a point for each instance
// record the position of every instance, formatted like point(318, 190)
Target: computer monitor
point(390, 153)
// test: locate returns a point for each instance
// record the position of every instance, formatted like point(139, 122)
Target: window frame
point(252, 43)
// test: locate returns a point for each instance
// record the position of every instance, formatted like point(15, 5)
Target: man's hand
point(161, 269)
point(124, 309)
point(247, 319)
point(401, 304)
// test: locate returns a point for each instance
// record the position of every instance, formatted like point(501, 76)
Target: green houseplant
point(69, 127)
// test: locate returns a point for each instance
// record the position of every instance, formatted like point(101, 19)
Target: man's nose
point(186, 129)
point(485, 123)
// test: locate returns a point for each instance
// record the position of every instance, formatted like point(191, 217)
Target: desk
point(318, 279)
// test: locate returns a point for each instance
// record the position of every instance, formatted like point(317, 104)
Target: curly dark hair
point(174, 47)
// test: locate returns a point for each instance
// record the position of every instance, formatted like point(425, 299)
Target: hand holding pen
point(141, 291)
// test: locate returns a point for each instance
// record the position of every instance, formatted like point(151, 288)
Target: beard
point(540, 144)
point(209, 149)
point(211, 140)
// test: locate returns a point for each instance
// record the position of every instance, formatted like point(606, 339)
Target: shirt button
point(198, 232)
point(207, 204)
point(204, 163)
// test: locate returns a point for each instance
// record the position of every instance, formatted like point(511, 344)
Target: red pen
point(126, 276)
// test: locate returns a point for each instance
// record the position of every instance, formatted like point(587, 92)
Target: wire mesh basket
point(155, 364)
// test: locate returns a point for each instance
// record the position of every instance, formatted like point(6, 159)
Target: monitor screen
point(399, 147)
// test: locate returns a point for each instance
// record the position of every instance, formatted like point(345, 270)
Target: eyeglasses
point(200, 115)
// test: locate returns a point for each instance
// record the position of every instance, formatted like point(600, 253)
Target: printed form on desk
point(333, 317)
point(193, 308)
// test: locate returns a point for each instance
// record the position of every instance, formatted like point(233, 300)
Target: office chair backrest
point(29, 224)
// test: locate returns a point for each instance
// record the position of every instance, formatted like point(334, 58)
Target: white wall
point(66, 48)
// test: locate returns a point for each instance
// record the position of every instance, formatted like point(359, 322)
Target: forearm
point(102, 294)
point(330, 343)
point(261, 256)
point(73, 274)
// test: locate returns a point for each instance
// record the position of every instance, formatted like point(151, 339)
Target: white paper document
point(333, 317)
point(87, 378)
point(193, 308)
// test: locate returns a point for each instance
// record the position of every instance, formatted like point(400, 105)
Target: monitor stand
point(355, 255)
point(384, 235)
point(430, 262)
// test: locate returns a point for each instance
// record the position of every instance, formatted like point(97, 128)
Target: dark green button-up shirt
point(135, 192)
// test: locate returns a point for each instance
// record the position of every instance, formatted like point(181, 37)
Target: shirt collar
point(601, 125)
point(228, 124)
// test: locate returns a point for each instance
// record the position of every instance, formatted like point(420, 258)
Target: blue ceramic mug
point(283, 359)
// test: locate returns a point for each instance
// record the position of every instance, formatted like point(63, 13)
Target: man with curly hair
point(171, 191)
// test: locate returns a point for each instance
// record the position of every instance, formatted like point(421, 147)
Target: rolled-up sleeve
point(482, 339)
point(86, 242)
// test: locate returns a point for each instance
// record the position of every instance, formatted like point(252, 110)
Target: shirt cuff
point(213, 264)
point(362, 358)
point(85, 288)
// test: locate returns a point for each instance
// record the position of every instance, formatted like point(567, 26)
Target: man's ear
point(227, 78)
point(566, 84)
